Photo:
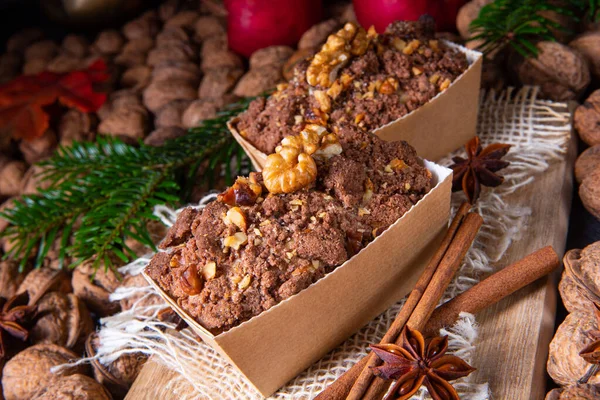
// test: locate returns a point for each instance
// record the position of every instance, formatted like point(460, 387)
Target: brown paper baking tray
point(435, 129)
point(275, 346)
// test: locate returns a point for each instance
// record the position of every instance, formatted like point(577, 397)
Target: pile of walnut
point(563, 69)
point(580, 291)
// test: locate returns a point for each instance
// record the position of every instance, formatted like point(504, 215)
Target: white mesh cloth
point(538, 131)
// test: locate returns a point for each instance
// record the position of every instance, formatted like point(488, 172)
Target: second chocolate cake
point(316, 204)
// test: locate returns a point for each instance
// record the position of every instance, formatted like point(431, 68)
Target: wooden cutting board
point(514, 334)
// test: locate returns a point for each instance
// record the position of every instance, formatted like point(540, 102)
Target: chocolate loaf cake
point(358, 78)
point(318, 202)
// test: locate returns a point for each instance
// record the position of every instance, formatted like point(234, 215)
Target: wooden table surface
point(514, 334)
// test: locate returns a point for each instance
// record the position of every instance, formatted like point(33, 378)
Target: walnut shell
point(159, 93)
point(576, 392)
point(10, 278)
point(39, 148)
point(43, 280)
point(318, 33)
point(76, 45)
point(75, 386)
point(584, 267)
point(109, 42)
point(587, 162)
point(586, 119)
point(183, 19)
point(197, 112)
point(212, 45)
point(118, 376)
point(216, 83)
point(31, 182)
point(208, 26)
point(62, 319)
point(589, 193)
point(125, 123)
point(20, 40)
point(167, 9)
point(95, 292)
point(42, 50)
point(143, 298)
point(561, 72)
point(136, 78)
point(159, 136)
point(466, 14)
point(140, 27)
point(35, 66)
point(141, 45)
point(76, 126)
point(11, 176)
point(170, 114)
point(172, 35)
point(257, 81)
point(187, 71)
point(63, 63)
point(565, 366)
point(221, 59)
point(171, 53)
point(270, 56)
point(29, 371)
point(574, 297)
point(130, 59)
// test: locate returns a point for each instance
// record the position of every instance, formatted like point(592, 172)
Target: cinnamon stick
point(440, 281)
point(494, 288)
point(365, 376)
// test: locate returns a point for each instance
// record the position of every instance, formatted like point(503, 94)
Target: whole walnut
point(159, 93)
point(216, 83)
point(159, 136)
point(574, 297)
point(187, 71)
point(172, 53)
point(170, 114)
point(172, 35)
point(167, 9)
point(212, 45)
point(62, 319)
point(75, 125)
point(588, 44)
point(23, 38)
point(183, 19)
point(141, 27)
point(75, 386)
point(63, 63)
point(589, 193)
point(257, 81)
point(141, 45)
point(42, 50)
point(561, 72)
point(29, 371)
point(10, 278)
point(144, 298)
point(76, 45)
point(32, 181)
point(575, 392)
point(466, 14)
point(94, 287)
point(583, 266)
point(40, 281)
point(493, 75)
point(197, 112)
point(586, 119)
point(565, 366)
point(130, 59)
point(587, 162)
point(126, 123)
point(39, 148)
point(221, 59)
point(11, 177)
point(125, 98)
point(35, 66)
point(10, 66)
point(136, 78)
point(109, 42)
point(208, 26)
point(117, 376)
point(318, 33)
point(273, 56)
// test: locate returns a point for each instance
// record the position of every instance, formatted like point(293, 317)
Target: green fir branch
point(102, 193)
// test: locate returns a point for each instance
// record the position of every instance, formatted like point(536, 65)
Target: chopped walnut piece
point(244, 192)
point(289, 170)
point(323, 100)
point(210, 270)
point(445, 84)
point(336, 53)
point(236, 240)
point(236, 216)
point(389, 86)
point(411, 47)
point(245, 282)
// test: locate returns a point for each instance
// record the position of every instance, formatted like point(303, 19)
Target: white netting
point(538, 131)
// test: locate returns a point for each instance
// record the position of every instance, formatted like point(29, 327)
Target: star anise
point(479, 168)
point(14, 315)
point(418, 362)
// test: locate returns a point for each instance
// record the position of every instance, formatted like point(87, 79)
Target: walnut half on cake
point(317, 203)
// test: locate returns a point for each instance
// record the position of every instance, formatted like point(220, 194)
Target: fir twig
point(104, 192)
